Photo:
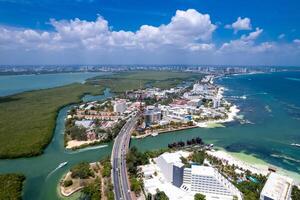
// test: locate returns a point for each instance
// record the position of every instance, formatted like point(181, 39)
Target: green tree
point(135, 185)
point(295, 193)
point(106, 170)
point(135, 158)
point(160, 195)
point(68, 183)
point(198, 157)
point(77, 133)
point(11, 186)
point(81, 170)
point(92, 191)
point(199, 196)
point(149, 196)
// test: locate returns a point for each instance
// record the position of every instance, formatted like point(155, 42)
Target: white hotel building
point(208, 181)
point(167, 173)
point(277, 187)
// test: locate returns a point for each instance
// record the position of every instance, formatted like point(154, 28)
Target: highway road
point(118, 158)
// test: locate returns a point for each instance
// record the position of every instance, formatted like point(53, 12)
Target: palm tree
point(199, 196)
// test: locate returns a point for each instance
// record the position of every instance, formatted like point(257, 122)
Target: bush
point(136, 185)
point(82, 171)
point(199, 196)
point(78, 133)
point(92, 191)
point(161, 196)
point(106, 171)
point(135, 158)
point(198, 157)
point(295, 193)
point(68, 183)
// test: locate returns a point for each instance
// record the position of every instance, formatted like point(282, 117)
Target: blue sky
point(177, 32)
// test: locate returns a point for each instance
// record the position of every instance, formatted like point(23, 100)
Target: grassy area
point(27, 120)
point(11, 186)
point(121, 82)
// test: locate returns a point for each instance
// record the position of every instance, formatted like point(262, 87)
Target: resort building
point(167, 173)
point(171, 166)
point(152, 115)
point(277, 187)
point(120, 106)
point(208, 181)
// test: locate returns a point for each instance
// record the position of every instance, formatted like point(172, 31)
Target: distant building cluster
point(26, 69)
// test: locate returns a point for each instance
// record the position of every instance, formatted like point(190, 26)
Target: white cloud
point(187, 38)
point(253, 35)
point(240, 24)
point(297, 41)
point(246, 43)
point(187, 28)
point(281, 36)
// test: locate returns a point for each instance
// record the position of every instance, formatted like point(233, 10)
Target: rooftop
point(174, 157)
point(203, 170)
point(277, 187)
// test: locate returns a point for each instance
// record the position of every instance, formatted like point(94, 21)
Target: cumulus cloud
point(240, 24)
point(187, 30)
point(297, 41)
point(187, 38)
point(246, 43)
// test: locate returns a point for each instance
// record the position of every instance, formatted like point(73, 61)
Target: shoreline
point(75, 144)
point(207, 124)
point(161, 132)
point(253, 164)
point(67, 192)
point(231, 117)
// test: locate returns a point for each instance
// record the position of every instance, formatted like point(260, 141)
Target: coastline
point(251, 163)
point(162, 131)
point(233, 111)
point(75, 144)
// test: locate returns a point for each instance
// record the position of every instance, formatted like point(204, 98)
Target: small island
point(91, 180)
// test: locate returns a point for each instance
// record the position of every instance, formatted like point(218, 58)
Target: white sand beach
point(75, 143)
point(254, 168)
point(251, 163)
point(233, 111)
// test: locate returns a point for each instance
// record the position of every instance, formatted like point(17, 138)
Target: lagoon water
point(13, 84)
point(271, 108)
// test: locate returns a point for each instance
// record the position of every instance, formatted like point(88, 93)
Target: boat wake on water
point(87, 149)
point(57, 168)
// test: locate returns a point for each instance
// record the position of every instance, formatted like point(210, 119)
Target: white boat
point(62, 164)
point(154, 134)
